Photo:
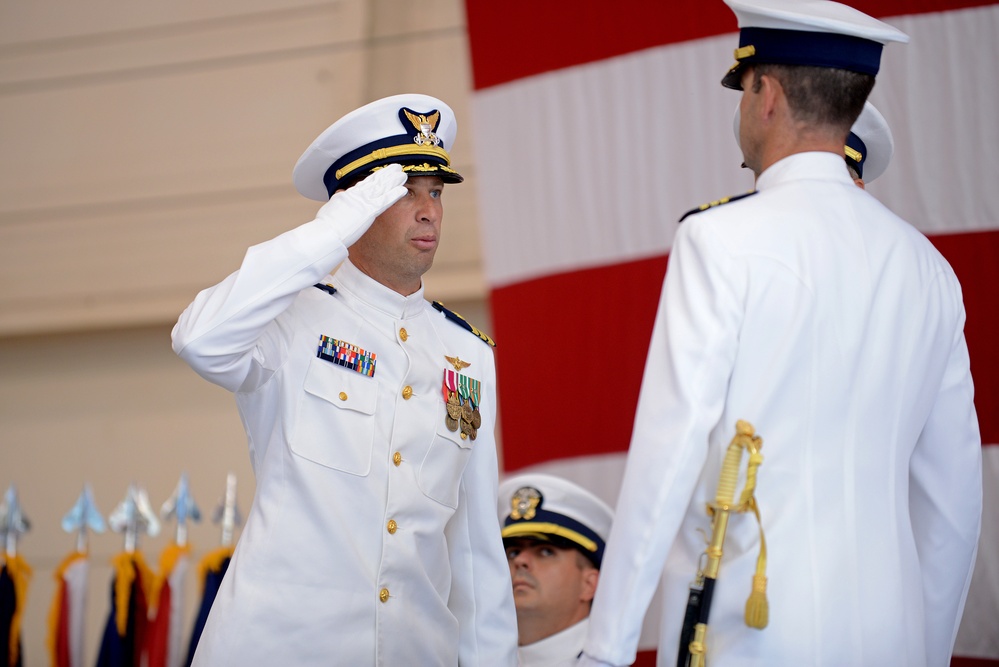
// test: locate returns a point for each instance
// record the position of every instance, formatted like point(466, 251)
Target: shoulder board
point(717, 202)
point(461, 322)
point(326, 287)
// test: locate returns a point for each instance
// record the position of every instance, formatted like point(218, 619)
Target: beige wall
point(143, 147)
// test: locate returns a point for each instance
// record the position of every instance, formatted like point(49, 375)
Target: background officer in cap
point(836, 329)
point(869, 146)
point(369, 414)
point(554, 532)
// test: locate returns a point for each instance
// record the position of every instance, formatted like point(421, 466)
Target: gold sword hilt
point(745, 439)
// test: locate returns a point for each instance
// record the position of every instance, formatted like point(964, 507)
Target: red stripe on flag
point(645, 659)
point(63, 653)
point(572, 350)
point(520, 38)
point(959, 661)
point(555, 35)
point(975, 258)
point(570, 356)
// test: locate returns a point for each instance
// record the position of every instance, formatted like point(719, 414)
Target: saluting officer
point(834, 327)
point(369, 413)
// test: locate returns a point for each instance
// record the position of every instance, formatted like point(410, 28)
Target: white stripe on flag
point(594, 164)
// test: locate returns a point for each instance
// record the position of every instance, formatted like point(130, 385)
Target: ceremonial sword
point(695, 623)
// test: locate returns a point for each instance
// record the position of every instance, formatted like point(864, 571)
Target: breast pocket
point(335, 425)
point(444, 463)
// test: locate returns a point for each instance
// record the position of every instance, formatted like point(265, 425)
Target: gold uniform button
point(403, 334)
point(343, 396)
point(392, 526)
point(383, 595)
point(397, 459)
point(407, 391)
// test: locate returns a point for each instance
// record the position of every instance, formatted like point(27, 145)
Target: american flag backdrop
point(597, 125)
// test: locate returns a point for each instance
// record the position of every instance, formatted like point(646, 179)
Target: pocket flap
point(341, 387)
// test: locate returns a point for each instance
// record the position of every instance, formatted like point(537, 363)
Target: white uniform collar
point(814, 165)
point(353, 283)
point(562, 648)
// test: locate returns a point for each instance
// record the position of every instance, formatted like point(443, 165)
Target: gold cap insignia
point(524, 503)
point(426, 126)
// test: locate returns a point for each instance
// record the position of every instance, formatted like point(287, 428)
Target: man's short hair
point(820, 95)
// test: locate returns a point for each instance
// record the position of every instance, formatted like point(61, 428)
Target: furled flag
point(213, 565)
point(610, 124)
point(14, 576)
point(166, 601)
point(125, 631)
point(68, 611)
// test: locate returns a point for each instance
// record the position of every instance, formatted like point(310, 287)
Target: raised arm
point(218, 333)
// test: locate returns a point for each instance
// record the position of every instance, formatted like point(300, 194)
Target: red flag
point(166, 605)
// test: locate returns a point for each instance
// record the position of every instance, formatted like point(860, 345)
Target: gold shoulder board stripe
point(717, 202)
point(461, 322)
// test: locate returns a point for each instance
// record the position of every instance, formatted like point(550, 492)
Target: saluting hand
point(352, 211)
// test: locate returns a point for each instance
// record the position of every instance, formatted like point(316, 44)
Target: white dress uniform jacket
point(372, 539)
point(836, 329)
point(559, 650)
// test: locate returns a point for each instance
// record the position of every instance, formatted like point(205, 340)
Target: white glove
point(352, 211)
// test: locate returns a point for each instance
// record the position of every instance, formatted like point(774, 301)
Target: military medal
point(461, 399)
point(449, 390)
point(454, 407)
point(453, 416)
point(473, 394)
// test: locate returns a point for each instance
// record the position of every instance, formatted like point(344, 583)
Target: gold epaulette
point(717, 202)
point(461, 322)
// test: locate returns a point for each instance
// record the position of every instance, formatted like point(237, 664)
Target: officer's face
point(552, 586)
point(399, 246)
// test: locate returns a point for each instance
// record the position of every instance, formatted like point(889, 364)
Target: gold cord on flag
point(126, 566)
point(168, 560)
point(212, 562)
